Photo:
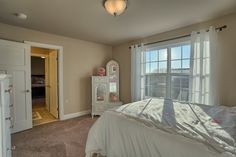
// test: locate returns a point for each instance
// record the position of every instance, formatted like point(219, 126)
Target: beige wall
point(227, 39)
point(37, 63)
point(37, 66)
point(81, 58)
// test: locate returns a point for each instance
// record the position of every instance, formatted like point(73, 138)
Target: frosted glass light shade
point(115, 7)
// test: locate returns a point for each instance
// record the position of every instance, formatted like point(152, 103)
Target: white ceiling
point(87, 19)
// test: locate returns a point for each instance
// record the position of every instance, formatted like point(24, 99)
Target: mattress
point(163, 128)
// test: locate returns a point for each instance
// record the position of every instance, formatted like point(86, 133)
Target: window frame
point(166, 45)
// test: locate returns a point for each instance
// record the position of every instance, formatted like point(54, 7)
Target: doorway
point(44, 82)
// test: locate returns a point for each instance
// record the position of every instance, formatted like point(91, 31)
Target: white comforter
point(155, 128)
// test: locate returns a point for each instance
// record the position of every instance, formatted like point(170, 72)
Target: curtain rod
point(178, 37)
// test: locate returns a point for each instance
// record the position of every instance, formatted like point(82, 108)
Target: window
point(165, 72)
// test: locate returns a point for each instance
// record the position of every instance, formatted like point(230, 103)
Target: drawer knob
point(8, 118)
point(7, 90)
point(12, 148)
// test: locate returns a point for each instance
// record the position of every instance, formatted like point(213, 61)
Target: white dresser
point(105, 89)
point(5, 115)
point(100, 95)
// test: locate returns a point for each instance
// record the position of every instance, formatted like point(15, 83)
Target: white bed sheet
point(116, 135)
point(215, 126)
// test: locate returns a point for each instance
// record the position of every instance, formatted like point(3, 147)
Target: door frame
point(60, 72)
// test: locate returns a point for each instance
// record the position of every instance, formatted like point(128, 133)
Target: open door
point(47, 85)
point(53, 83)
point(15, 61)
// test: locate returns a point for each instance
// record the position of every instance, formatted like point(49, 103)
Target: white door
point(15, 61)
point(47, 86)
point(53, 90)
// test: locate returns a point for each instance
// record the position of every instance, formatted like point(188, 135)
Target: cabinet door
point(100, 92)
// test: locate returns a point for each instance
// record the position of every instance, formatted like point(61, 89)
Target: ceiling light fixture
point(21, 16)
point(115, 7)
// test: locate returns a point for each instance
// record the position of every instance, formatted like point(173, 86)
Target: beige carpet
point(57, 139)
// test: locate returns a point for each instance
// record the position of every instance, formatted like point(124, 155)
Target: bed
point(163, 128)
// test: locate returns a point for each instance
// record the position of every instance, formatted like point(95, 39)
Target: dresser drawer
point(6, 97)
point(98, 108)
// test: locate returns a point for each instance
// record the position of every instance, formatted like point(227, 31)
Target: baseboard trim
point(77, 114)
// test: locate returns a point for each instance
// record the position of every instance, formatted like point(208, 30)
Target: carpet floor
point(57, 139)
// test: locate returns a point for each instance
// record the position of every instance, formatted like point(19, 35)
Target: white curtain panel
point(136, 53)
point(205, 67)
